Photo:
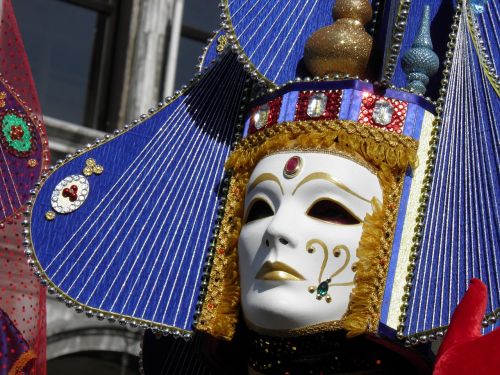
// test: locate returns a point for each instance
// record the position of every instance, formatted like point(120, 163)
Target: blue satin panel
point(288, 107)
point(414, 117)
point(461, 235)
point(137, 245)
point(273, 33)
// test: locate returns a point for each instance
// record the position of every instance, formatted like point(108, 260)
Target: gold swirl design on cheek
point(322, 288)
point(339, 248)
point(309, 247)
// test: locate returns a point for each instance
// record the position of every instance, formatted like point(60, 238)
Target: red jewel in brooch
point(71, 193)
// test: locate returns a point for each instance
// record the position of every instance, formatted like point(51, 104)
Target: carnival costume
point(350, 207)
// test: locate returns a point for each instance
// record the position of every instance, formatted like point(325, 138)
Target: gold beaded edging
point(396, 42)
point(211, 40)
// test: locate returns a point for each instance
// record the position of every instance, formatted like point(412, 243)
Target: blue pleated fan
point(461, 230)
point(271, 34)
point(136, 244)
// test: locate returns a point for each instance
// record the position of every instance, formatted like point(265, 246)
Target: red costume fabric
point(16, 358)
point(464, 350)
point(22, 298)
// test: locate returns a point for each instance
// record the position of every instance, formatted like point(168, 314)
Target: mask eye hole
point(332, 212)
point(259, 209)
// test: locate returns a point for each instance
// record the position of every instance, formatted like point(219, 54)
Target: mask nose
point(280, 230)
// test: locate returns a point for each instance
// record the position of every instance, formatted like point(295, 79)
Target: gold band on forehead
point(328, 178)
point(372, 145)
point(265, 177)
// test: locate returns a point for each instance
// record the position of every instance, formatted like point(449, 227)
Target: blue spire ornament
point(420, 62)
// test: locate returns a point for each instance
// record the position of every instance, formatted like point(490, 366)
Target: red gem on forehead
point(292, 166)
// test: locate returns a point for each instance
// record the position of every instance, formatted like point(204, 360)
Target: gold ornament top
point(359, 10)
point(345, 46)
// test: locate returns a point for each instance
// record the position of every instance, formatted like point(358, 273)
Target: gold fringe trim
point(362, 304)
point(374, 253)
point(21, 363)
point(374, 146)
point(219, 313)
point(387, 153)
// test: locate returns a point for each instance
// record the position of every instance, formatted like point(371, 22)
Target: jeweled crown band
point(390, 110)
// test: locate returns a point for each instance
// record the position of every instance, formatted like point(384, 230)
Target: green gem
point(323, 288)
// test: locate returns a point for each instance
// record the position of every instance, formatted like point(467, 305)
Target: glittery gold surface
point(3, 95)
point(32, 163)
point(356, 9)
point(343, 47)
point(334, 325)
point(50, 215)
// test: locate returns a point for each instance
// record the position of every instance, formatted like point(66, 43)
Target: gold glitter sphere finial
point(345, 46)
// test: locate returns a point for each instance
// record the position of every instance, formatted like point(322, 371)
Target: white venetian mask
point(303, 222)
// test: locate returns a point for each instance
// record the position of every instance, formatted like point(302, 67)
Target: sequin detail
point(368, 116)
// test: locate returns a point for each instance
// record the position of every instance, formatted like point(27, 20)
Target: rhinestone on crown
point(382, 112)
point(260, 117)
point(317, 105)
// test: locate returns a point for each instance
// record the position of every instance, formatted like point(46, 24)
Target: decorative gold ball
point(50, 215)
point(341, 48)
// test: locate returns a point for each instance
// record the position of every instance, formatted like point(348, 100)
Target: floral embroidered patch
point(16, 134)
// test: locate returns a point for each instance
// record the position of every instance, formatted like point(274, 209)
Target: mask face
point(303, 221)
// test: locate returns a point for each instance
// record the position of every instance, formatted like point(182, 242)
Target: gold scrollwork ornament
point(323, 285)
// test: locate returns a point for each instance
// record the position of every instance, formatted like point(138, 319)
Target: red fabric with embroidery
point(21, 296)
point(464, 349)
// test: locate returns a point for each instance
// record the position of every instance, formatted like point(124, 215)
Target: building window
point(199, 20)
point(70, 47)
